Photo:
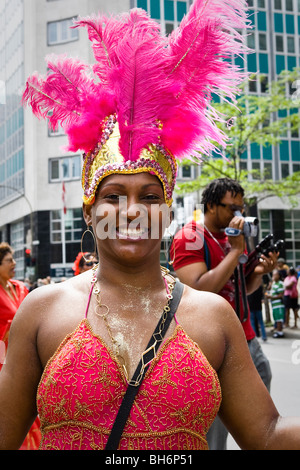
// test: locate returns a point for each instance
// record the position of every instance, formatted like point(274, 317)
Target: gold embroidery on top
point(61, 424)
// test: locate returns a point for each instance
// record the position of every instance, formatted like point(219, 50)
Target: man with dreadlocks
point(205, 258)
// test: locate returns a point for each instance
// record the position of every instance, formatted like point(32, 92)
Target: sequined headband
point(106, 159)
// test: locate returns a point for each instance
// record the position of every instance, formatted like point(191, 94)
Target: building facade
point(38, 180)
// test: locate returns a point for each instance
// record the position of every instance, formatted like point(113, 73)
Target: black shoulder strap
point(154, 343)
point(206, 250)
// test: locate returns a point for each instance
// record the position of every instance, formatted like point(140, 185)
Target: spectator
point(255, 305)
point(276, 297)
point(291, 296)
point(207, 260)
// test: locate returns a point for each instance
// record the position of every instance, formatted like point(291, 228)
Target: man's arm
point(197, 276)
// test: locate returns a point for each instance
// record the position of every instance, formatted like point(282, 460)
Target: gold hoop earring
point(172, 242)
point(88, 230)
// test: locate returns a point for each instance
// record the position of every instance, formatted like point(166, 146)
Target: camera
point(266, 245)
point(263, 248)
point(250, 225)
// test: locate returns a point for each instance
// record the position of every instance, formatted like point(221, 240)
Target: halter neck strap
point(89, 300)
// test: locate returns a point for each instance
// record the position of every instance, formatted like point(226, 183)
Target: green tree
point(262, 120)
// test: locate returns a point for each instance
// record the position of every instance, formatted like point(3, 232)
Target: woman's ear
point(87, 214)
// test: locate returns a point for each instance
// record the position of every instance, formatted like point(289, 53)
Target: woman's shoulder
point(55, 297)
point(207, 307)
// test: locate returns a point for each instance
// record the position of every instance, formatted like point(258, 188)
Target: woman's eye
point(112, 197)
point(152, 197)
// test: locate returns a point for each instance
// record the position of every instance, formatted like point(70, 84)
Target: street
point(284, 357)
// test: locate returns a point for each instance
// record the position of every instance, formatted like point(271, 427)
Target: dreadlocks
point(217, 189)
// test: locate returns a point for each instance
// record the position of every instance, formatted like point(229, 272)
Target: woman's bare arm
point(19, 379)
point(247, 408)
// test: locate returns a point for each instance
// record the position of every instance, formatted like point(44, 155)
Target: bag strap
point(152, 348)
point(206, 249)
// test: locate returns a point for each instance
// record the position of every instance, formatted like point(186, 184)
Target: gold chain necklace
point(102, 311)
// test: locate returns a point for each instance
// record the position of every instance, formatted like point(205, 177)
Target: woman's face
point(7, 267)
point(129, 217)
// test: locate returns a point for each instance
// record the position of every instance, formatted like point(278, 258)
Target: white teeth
point(132, 232)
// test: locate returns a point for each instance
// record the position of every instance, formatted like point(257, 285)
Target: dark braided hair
point(216, 190)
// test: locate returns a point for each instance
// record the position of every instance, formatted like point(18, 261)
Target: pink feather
point(200, 52)
point(160, 88)
point(69, 96)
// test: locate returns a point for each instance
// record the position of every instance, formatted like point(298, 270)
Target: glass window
point(63, 169)
point(17, 243)
point(54, 169)
point(277, 4)
point(76, 167)
point(72, 226)
point(155, 9)
point(60, 32)
point(284, 170)
point(268, 171)
point(262, 41)
point(261, 3)
point(186, 171)
point(279, 43)
point(278, 22)
point(251, 40)
point(291, 44)
point(264, 84)
point(289, 5)
point(256, 170)
point(296, 167)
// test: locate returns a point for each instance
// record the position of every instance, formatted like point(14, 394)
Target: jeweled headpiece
point(146, 100)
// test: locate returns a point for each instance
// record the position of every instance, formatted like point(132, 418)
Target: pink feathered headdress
point(153, 93)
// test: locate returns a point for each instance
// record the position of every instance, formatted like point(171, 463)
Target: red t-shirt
point(189, 249)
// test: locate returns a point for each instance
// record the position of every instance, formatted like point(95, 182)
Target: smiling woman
point(127, 329)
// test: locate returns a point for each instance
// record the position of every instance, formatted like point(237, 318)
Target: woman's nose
point(132, 209)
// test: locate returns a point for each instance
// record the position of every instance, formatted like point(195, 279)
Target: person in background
point(290, 297)
point(84, 262)
point(206, 259)
point(276, 297)
point(12, 294)
point(282, 267)
point(255, 305)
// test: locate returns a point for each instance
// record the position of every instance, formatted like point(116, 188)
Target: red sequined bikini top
point(83, 384)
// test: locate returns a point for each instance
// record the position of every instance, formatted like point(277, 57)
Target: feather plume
point(105, 34)
point(200, 53)
point(69, 96)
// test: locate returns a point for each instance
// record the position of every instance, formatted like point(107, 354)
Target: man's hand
point(266, 263)
point(237, 243)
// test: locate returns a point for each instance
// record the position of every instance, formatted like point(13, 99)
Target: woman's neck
point(4, 282)
point(136, 276)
